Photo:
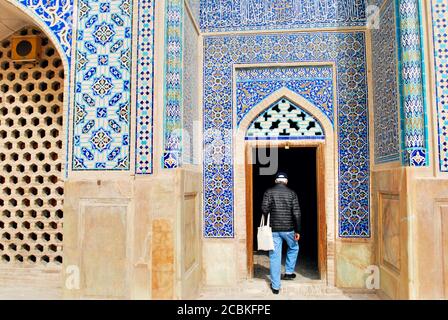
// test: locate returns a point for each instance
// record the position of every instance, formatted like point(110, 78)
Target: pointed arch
point(284, 120)
point(59, 42)
point(328, 166)
point(64, 54)
point(294, 98)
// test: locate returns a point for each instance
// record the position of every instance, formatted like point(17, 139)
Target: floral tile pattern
point(57, 15)
point(313, 83)
point(385, 88)
point(285, 121)
point(440, 31)
point(145, 89)
point(102, 83)
point(347, 51)
point(225, 15)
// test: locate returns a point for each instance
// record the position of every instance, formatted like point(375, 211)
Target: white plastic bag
point(264, 236)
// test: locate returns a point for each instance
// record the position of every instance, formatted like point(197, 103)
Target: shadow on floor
point(306, 269)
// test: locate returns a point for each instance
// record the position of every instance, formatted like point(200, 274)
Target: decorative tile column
point(347, 51)
point(411, 68)
point(172, 124)
point(102, 86)
point(57, 15)
point(145, 89)
point(440, 34)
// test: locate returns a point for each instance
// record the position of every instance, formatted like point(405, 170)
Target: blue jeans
point(275, 256)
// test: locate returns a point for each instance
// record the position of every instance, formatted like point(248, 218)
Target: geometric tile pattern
point(31, 158)
point(145, 89)
point(102, 85)
point(57, 15)
point(440, 31)
point(347, 51)
point(190, 96)
point(225, 15)
point(385, 88)
point(413, 108)
point(173, 84)
point(313, 83)
point(283, 120)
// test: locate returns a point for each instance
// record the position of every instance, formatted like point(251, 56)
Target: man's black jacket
point(283, 205)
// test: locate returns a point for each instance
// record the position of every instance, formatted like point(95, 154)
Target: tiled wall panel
point(347, 51)
point(190, 94)
point(285, 121)
point(385, 87)
point(413, 122)
point(232, 15)
point(57, 15)
point(314, 83)
point(145, 88)
point(102, 86)
point(440, 31)
point(172, 124)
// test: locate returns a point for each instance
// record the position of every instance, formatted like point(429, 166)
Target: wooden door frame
point(320, 190)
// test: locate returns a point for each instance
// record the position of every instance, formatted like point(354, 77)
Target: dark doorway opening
point(301, 166)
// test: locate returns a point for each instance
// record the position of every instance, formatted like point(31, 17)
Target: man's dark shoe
point(286, 276)
point(275, 291)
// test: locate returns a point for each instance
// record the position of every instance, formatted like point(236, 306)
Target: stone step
point(256, 289)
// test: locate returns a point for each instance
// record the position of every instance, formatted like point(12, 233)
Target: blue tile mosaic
point(386, 103)
point(233, 15)
point(440, 32)
point(285, 121)
point(190, 95)
point(411, 75)
point(145, 89)
point(347, 51)
point(102, 99)
point(313, 83)
point(173, 84)
point(57, 15)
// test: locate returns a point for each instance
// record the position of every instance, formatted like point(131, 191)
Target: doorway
point(301, 166)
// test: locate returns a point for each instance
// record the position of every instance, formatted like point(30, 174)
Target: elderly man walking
point(282, 204)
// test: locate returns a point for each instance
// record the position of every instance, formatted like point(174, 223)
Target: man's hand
point(297, 236)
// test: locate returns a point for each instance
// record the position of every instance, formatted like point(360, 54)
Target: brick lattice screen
point(31, 155)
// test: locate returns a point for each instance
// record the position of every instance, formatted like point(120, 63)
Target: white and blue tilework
point(172, 125)
point(440, 31)
point(347, 51)
point(233, 15)
point(102, 89)
point(314, 83)
point(285, 121)
point(385, 87)
point(145, 89)
point(57, 15)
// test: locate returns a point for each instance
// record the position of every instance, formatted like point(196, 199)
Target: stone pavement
point(257, 289)
point(30, 293)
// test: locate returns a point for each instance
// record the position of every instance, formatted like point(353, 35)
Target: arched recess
point(64, 55)
point(35, 100)
point(328, 165)
point(46, 28)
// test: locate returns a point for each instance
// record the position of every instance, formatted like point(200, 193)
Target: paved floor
point(258, 289)
point(307, 285)
point(30, 283)
point(28, 293)
point(306, 269)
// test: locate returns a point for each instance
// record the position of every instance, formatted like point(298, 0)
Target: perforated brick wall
point(31, 184)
